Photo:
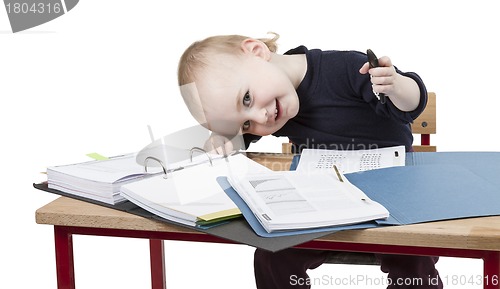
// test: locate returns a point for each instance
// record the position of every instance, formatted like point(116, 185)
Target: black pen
point(373, 61)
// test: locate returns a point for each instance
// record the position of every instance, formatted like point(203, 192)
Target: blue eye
point(247, 99)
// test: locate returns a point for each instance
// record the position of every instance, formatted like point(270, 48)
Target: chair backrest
point(424, 125)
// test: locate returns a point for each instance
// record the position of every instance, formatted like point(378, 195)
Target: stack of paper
point(98, 180)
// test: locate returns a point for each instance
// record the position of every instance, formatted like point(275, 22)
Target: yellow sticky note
point(97, 156)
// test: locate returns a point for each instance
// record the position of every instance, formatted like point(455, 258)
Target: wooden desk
point(469, 238)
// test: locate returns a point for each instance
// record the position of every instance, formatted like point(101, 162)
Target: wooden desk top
point(473, 233)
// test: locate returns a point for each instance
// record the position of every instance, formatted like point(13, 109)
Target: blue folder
point(485, 164)
point(425, 193)
point(431, 187)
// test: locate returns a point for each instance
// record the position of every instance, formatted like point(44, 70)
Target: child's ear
point(256, 47)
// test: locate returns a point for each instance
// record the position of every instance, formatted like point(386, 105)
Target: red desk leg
point(157, 258)
point(491, 273)
point(64, 258)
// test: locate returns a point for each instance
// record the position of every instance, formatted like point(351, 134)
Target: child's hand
point(384, 77)
point(403, 91)
point(221, 145)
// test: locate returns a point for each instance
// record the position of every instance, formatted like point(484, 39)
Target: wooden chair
point(424, 125)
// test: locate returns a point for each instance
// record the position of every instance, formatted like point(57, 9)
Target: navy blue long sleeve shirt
point(338, 109)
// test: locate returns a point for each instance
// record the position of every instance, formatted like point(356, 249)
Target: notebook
point(297, 200)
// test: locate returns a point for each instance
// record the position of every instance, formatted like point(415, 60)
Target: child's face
point(246, 94)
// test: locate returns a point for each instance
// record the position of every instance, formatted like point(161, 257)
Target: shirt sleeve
point(423, 95)
point(409, 116)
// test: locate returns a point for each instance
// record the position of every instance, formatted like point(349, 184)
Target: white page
point(193, 184)
point(352, 160)
point(120, 168)
point(298, 200)
point(289, 193)
point(105, 171)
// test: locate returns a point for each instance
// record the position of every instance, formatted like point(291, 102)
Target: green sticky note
point(97, 156)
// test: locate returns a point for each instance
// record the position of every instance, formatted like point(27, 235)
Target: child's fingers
point(220, 145)
point(365, 68)
point(384, 61)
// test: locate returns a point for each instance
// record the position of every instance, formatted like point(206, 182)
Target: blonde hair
point(198, 54)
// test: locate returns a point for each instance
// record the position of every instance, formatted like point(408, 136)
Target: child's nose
point(262, 116)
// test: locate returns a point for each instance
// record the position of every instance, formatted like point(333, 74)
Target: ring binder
point(191, 194)
point(159, 161)
point(193, 149)
point(164, 168)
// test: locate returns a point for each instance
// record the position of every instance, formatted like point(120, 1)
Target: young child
point(318, 99)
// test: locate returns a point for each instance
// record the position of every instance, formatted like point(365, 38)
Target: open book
point(100, 180)
point(294, 200)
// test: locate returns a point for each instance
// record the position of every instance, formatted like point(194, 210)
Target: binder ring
point(193, 149)
point(159, 161)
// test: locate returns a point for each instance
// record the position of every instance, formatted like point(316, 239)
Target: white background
point(93, 79)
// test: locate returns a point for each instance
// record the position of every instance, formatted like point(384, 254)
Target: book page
point(280, 195)
point(106, 171)
point(297, 200)
point(351, 161)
